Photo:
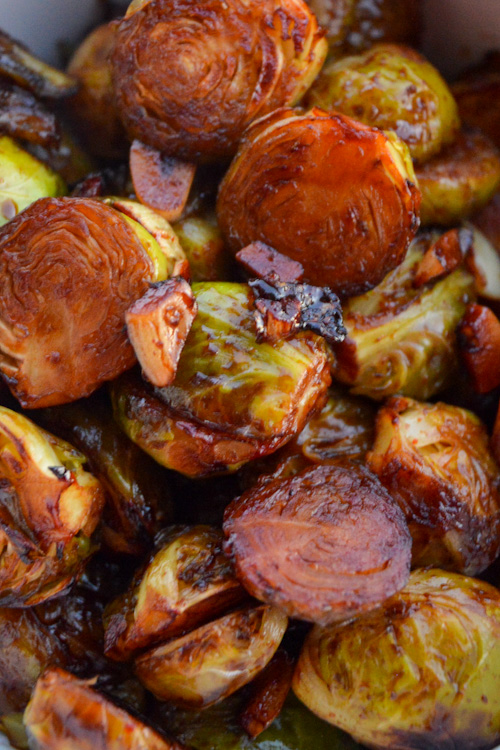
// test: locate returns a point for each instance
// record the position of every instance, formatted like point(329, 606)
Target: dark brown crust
point(23, 117)
point(323, 190)
point(443, 256)
point(190, 76)
point(268, 694)
point(324, 545)
point(56, 259)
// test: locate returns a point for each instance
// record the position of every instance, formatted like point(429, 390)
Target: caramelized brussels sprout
point(401, 337)
point(56, 259)
point(224, 64)
point(477, 96)
point(92, 109)
point(23, 179)
point(137, 491)
point(324, 545)
point(187, 582)
point(420, 671)
point(215, 660)
point(67, 712)
point(233, 399)
point(201, 240)
point(459, 180)
point(345, 206)
point(435, 461)
point(391, 87)
point(23, 117)
point(355, 25)
point(49, 508)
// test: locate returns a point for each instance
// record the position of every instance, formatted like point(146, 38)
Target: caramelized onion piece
point(214, 661)
point(443, 256)
point(65, 711)
point(479, 341)
point(264, 262)
point(49, 508)
point(56, 259)
point(160, 182)
point(189, 78)
point(268, 694)
point(92, 109)
point(158, 325)
point(324, 545)
point(435, 461)
point(345, 206)
point(459, 180)
point(186, 582)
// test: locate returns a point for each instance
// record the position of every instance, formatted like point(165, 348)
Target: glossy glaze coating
point(329, 192)
point(190, 76)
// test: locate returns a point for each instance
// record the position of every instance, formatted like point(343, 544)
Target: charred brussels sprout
point(421, 671)
point(459, 180)
point(56, 259)
point(401, 337)
point(394, 88)
point(225, 63)
point(187, 582)
point(324, 545)
point(67, 712)
point(23, 179)
point(329, 192)
point(93, 109)
point(214, 661)
point(435, 461)
point(49, 507)
point(232, 399)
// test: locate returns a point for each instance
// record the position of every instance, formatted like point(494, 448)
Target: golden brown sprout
point(401, 336)
point(419, 672)
point(214, 661)
point(268, 694)
point(56, 259)
point(20, 66)
point(190, 77)
point(459, 180)
point(391, 87)
point(233, 399)
point(201, 240)
point(355, 25)
point(435, 461)
point(160, 182)
point(345, 206)
point(479, 340)
point(137, 489)
point(187, 582)
point(324, 545)
point(93, 109)
point(158, 325)
point(67, 712)
point(477, 95)
point(49, 508)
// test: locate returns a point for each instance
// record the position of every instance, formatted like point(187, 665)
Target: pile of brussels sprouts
point(249, 383)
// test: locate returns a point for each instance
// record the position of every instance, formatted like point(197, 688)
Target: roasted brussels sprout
point(420, 671)
point(65, 711)
point(23, 117)
point(400, 336)
point(355, 25)
point(215, 660)
point(23, 179)
point(187, 582)
point(345, 205)
point(138, 497)
point(459, 180)
point(92, 109)
point(56, 259)
point(394, 88)
point(477, 96)
point(190, 77)
point(435, 461)
point(232, 399)
point(324, 545)
point(49, 508)
point(201, 240)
